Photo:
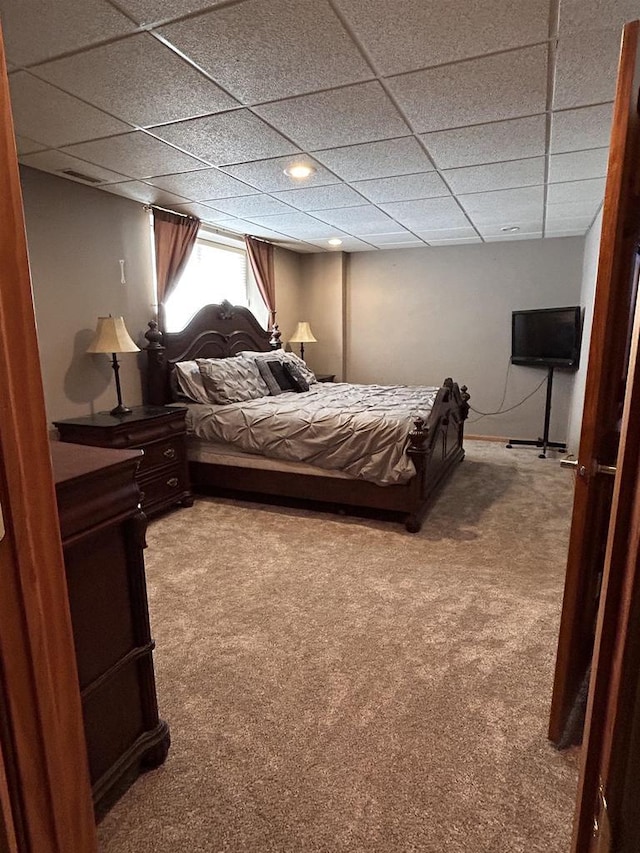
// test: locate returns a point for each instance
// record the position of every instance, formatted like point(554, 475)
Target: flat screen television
point(546, 337)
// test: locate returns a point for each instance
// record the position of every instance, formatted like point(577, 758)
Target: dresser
point(103, 536)
point(163, 474)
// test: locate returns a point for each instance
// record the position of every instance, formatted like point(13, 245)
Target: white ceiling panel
point(349, 244)
point(24, 145)
point(523, 235)
point(201, 211)
point(372, 160)
point(504, 207)
point(528, 226)
point(361, 113)
point(321, 198)
point(575, 130)
point(458, 241)
point(567, 227)
point(237, 44)
point(202, 185)
point(243, 226)
point(154, 11)
point(359, 221)
point(269, 175)
point(578, 165)
point(596, 14)
point(139, 191)
point(250, 205)
point(47, 115)
point(487, 143)
point(35, 30)
point(139, 80)
point(297, 225)
point(57, 162)
point(586, 208)
point(135, 154)
point(440, 235)
point(417, 34)
point(586, 68)
point(233, 137)
point(393, 237)
point(592, 190)
point(497, 176)
point(427, 214)
point(492, 88)
point(403, 187)
point(415, 244)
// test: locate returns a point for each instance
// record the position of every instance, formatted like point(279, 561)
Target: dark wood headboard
point(216, 331)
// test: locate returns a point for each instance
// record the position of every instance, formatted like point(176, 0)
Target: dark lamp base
point(120, 410)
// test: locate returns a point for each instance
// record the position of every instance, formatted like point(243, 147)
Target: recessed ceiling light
point(335, 241)
point(299, 170)
point(510, 229)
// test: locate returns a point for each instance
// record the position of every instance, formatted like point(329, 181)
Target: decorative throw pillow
point(231, 380)
point(295, 376)
point(263, 365)
point(278, 370)
point(305, 370)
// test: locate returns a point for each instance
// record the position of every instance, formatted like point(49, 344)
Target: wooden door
point(45, 796)
point(604, 396)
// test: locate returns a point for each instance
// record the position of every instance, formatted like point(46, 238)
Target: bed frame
point(220, 331)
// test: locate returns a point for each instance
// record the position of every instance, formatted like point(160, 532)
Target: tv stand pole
point(543, 442)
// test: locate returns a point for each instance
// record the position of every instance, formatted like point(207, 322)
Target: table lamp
point(302, 335)
point(112, 337)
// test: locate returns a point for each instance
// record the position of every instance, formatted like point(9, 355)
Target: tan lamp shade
point(303, 335)
point(112, 336)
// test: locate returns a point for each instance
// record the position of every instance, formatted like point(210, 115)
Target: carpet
point(337, 684)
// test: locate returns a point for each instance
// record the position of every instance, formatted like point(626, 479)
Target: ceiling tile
point(488, 143)
point(586, 208)
point(551, 233)
point(596, 14)
point(580, 81)
point(35, 30)
point(400, 235)
point(575, 130)
point(414, 34)
point(201, 211)
point(578, 165)
point(371, 160)
point(319, 198)
point(268, 175)
point(565, 227)
point(504, 207)
point(402, 187)
point(243, 226)
point(203, 184)
point(49, 116)
point(365, 219)
point(250, 205)
point(24, 145)
point(491, 88)
point(523, 235)
point(427, 214)
point(592, 190)
point(497, 176)
point(349, 244)
point(135, 154)
point(441, 235)
point(139, 191)
point(524, 226)
point(296, 225)
point(57, 162)
point(235, 44)
point(415, 244)
point(154, 11)
point(361, 113)
point(138, 79)
point(233, 137)
point(458, 241)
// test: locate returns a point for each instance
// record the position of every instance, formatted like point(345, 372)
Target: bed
point(428, 444)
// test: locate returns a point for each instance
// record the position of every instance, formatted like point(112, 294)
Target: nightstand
point(163, 475)
point(326, 377)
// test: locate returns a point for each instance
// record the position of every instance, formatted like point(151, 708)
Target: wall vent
point(82, 177)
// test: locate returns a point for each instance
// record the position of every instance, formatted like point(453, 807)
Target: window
point(218, 269)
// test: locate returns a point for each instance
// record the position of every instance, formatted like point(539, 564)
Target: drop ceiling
point(430, 122)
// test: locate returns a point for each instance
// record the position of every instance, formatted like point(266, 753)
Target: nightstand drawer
point(161, 453)
point(164, 489)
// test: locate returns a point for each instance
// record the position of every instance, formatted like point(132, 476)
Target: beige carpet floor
point(337, 684)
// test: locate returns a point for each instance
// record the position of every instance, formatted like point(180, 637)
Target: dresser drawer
point(163, 490)
point(161, 453)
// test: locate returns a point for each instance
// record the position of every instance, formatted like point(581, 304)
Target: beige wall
point(76, 236)
point(587, 296)
point(321, 304)
point(418, 315)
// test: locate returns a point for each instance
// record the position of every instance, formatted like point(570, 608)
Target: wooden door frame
point(47, 784)
point(607, 357)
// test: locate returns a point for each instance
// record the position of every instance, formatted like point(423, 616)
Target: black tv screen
point(546, 336)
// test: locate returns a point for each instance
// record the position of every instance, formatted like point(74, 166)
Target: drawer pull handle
point(172, 481)
point(141, 497)
point(170, 453)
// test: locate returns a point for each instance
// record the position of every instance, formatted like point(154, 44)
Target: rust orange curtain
point(261, 260)
point(174, 238)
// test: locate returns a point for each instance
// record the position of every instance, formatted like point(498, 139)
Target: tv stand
point(543, 442)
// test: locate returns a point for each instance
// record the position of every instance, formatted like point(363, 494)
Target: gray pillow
point(231, 380)
point(267, 374)
point(189, 381)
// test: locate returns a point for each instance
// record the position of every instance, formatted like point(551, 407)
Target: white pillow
point(190, 381)
point(231, 380)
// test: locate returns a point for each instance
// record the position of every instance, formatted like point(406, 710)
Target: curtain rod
point(206, 224)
